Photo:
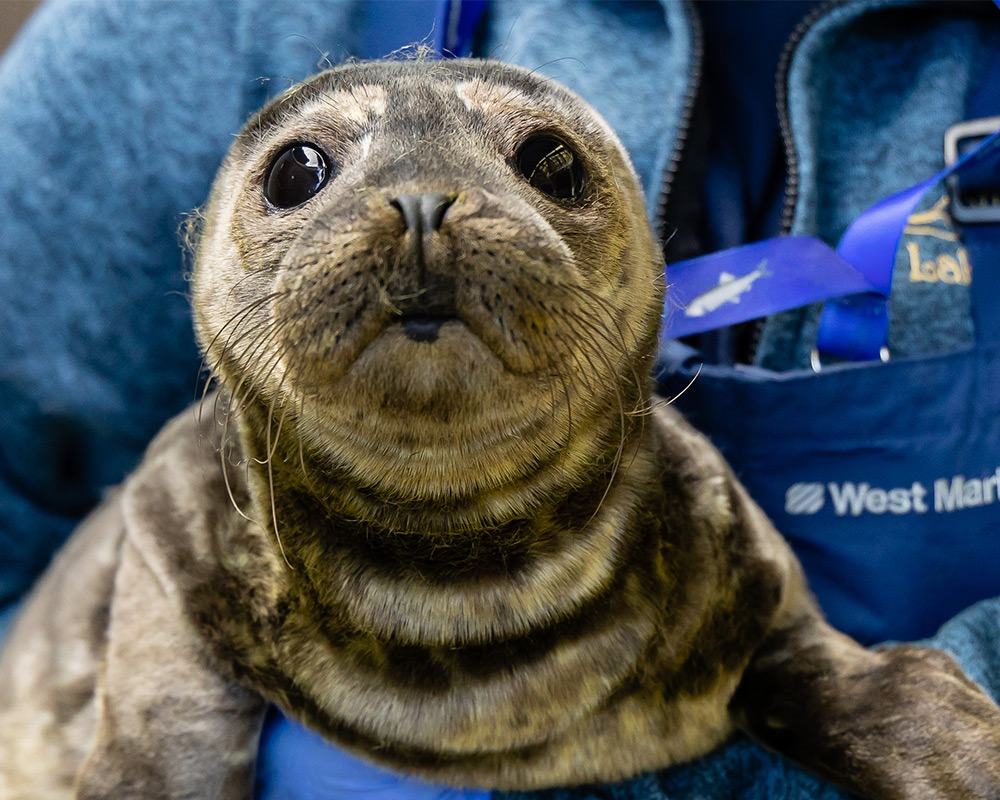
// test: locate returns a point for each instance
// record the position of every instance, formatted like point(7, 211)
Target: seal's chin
point(427, 365)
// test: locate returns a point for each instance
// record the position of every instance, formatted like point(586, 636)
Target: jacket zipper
point(686, 112)
point(784, 123)
point(791, 197)
point(691, 94)
point(784, 65)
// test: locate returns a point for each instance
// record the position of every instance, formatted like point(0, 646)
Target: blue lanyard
point(763, 278)
point(857, 327)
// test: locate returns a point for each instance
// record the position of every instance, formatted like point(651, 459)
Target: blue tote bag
point(884, 477)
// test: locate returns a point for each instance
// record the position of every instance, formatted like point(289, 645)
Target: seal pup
point(440, 519)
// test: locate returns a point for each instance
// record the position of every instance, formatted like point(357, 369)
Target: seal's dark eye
point(297, 174)
point(550, 166)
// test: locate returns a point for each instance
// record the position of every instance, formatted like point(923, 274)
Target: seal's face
point(437, 270)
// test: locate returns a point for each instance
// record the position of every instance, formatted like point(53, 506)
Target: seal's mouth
point(425, 327)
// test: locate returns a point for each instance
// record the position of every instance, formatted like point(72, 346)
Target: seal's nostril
point(433, 208)
point(423, 213)
point(433, 289)
point(409, 206)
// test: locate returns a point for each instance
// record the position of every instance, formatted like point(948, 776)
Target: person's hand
point(294, 763)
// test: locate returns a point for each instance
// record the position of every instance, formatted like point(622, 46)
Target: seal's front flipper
point(901, 723)
point(169, 725)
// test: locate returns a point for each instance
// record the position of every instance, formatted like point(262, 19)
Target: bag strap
point(857, 328)
point(982, 241)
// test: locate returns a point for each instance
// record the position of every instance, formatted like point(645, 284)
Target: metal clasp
point(971, 205)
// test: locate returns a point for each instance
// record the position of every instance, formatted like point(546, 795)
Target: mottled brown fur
point(491, 560)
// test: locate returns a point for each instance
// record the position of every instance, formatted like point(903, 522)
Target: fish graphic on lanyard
point(728, 290)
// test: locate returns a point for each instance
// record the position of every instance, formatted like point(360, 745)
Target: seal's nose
point(432, 301)
point(423, 213)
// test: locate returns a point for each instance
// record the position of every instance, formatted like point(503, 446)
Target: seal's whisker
point(241, 315)
point(224, 466)
point(231, 345)
point(306, 474)
point(259, 347)
point(558, 342)
point(599, 304)
point(239, 397)
point(270, 486)
point(588, 331)
point(236, 401)
point(237, 320)
point(253, 273)
point(640, 381)
point(663, 403)
point(242, 398)
point(270, 417)
point(259, 350)
point(622, 420)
